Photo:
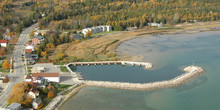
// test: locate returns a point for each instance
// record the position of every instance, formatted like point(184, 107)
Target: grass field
point(103, 48)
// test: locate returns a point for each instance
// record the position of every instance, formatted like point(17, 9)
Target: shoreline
point(145, 35)
point(69, 95)
point(104, 48)
point(164, 32)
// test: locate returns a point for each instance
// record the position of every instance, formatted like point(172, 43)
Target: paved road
point(19, 70)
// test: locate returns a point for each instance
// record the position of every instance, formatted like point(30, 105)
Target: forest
point(60, 15)
point(68, 14)
point(78, 14)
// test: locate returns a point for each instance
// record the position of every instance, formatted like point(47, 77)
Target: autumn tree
point(18, 93)
point(60, 56)
point(40, 106)
point(6, 64)
point(27, 102)
point(50, 94)
point(50, 46)
point(44, 54)
point(6, 79)
point(32, 34)
point(88, 34)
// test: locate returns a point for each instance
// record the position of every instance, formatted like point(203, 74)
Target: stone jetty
point(191, 72)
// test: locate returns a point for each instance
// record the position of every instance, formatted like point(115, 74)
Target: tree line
point(121, 14)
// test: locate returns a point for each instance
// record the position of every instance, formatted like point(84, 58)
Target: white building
point(51, 77)
point(30, 47)
point(28, 78)
point(97, 29)
point(155, 24)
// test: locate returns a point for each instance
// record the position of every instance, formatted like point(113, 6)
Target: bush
point(6, 80)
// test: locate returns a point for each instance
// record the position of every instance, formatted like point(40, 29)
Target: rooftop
point(46, 75)
point(14, 106)
point(39, 37)
point(28, 77)
point(28, 50)
point(3, 41)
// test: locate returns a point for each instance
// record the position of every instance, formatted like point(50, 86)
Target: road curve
point(19, 70)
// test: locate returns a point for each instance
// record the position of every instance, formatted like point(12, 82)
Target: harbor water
point(170, 54)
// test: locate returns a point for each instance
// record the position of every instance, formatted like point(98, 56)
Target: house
point(38, 69)
point(29, 47)
point(30, 58)
point(40, 82)
point(36, 103)
point(2, 77)
point(33, 94)
point(14, 106)
point(7, 37)
point(155, 24)
point(28, 78)
point(3, 43)
point(28, 51)
point(37, 39)
point(1, 81)
point(97, 29)
point(43, 32)
point(51, 77)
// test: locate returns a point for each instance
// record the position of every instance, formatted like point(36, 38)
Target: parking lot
point(49, 67)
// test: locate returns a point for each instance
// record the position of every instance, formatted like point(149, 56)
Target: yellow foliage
point(44, 53)
point(6, 64)
point(18, 93)
point(50, 94)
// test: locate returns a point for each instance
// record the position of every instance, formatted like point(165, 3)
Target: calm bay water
point(126, 73)
point(169, 53)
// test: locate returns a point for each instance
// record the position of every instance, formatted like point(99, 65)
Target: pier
point(191, 72)
point(146, 64)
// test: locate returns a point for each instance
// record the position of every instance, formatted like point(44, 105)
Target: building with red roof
point(28, 50)
point(3, 43)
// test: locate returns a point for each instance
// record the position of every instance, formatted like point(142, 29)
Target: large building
point(51, 77)
point(97, 29)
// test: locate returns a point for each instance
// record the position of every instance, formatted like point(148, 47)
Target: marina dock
point(146, 64)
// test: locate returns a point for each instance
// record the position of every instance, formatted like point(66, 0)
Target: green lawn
point(64, 69)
